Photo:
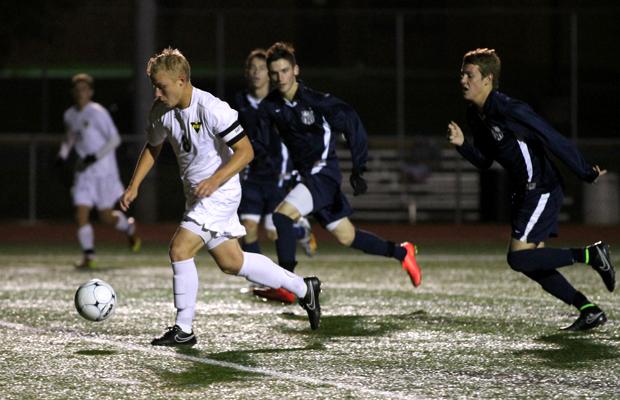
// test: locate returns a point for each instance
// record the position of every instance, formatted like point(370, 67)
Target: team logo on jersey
point(307, 117)
point(196, 125)
point(497, 133)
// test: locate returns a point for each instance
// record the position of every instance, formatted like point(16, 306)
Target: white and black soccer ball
point(95, 300)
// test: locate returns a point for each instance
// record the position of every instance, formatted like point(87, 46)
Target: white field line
point(208, 361)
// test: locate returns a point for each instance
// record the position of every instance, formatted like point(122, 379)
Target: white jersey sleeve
point(224, 122)
point(155, 131)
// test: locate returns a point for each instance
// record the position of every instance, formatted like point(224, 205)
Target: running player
point(90, 129)
point(308, 122)
point(264, 180)
point(211, 149)
point(509, 132)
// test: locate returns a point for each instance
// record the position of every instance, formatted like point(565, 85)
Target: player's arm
point(145, 162)
point(470, 152)
point(66, 145)
point(523, 116)
point(343, 118)
point(242, 155)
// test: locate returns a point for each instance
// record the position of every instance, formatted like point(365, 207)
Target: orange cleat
point(410, 264)
point(281, 295)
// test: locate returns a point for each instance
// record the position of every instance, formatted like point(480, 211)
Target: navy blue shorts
point(260, 198)
point(534, 215)
point(329, 203)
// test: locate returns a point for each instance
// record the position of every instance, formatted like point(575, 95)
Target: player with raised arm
point(264, 180)
point(91, 131)
point(510, 132)
point(308, 123)
point(211, 149)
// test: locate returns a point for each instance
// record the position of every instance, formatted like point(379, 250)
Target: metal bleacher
point(444, 188)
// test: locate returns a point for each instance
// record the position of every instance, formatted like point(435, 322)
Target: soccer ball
point(95, 300)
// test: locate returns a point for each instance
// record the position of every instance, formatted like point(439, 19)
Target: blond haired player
point(92, 133)
point(211, 149)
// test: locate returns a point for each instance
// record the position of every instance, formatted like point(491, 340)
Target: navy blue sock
point(372, 244)
point(543, 259)
point(253, 247)
point(285, 244)
point(579, 300)
point(300, 232)
point(579, 255)
point(555, 284)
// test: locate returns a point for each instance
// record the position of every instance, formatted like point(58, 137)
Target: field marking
point(208, 361)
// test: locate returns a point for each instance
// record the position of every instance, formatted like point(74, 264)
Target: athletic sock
point(185, 288)
point(580, 255)
point(122, 224)
point(253, 247)
point(261, 270)
point(554, 283)
point(299, 231)
point(86, 237)
point(540, 259)
point(580, 301)
point(372, 244)
point(286, 242)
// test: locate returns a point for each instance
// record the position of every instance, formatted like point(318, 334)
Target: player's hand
point(599, 171)
point(455, 134)
point(206, 187)
point(358, 183)
point(127, 198)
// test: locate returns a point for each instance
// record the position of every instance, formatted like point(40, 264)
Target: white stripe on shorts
point(540, 207)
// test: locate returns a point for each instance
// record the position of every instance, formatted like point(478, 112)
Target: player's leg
point(533, 220)
point(283, 218)
point(86, 236)
point(249, 242)
point(348, 235)
point(122, 223)
point(261, 270)
point(184, 245)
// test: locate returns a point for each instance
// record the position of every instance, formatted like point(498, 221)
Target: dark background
point(348, 48)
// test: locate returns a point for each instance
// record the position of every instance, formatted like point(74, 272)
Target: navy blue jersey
point(510, 132)
point(308, 126)
point(271, 161)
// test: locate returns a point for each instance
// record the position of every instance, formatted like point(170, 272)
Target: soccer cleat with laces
point(310, 302)
point(590, 317)
point(308, 242)
point(174, 336)
point(411, 265)
point(597, 256)
point(279, 294)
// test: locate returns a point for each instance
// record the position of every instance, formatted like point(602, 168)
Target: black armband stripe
point(228, 130)
point(236, 138)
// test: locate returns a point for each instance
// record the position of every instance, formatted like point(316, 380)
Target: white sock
point(261, 270)
point(185, 288)
point(122, 222)
point(86, 237)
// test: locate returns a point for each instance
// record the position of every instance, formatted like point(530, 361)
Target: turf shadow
point(572, 351)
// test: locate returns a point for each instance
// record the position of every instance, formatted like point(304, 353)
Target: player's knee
point(518, 260)
point(344, 238)
point(178, 252)
point(272, 234)
point(230, 266)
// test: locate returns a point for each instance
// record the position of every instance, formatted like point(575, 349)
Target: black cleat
point(175, 336)
point(589, 318)
point(310, 302)
point(600, 260)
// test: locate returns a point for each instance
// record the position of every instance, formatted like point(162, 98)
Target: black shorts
point(534, 214)
point(329, 202)
point(260, 198)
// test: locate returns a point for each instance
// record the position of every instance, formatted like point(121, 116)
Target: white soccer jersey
point(200, 136)
point(92, 131)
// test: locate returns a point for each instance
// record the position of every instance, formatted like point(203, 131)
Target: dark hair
point(281, 50)
point(82, 77)
point(256, 53)
point(487, 60)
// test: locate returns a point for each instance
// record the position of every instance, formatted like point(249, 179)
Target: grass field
point(473, 329)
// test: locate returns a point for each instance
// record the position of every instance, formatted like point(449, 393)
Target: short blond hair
point(169, 60)
point(82, 77)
